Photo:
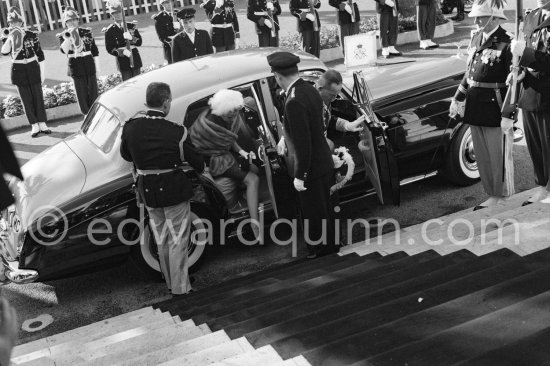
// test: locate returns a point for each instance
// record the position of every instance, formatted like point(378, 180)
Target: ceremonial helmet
point(14, 15)
point(114, 6)
point(69, 14)
point(486, 10)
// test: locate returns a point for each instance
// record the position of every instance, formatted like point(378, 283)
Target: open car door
point(381, 166)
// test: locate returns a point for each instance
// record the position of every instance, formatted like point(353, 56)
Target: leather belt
point(25, 60)
point(81, 54)
point(480, 84)
point(225, 25)
point(154, 171)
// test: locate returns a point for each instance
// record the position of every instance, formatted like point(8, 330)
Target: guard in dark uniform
point(307, 155)
point(348, 18)
point(309, 24)
point(158, 148)
point(387, 10)
point(79, 46)
point(115, 43)
point(225, 25)
point(483, 89)
point(166, 27)
point(190, 42)
point(264, 15)
point(27, 70)
point(534, 100)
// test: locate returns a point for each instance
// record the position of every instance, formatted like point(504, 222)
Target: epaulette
point(292, 95)
point(105, 29)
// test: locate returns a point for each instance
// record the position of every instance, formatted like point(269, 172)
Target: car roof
point(197, 78)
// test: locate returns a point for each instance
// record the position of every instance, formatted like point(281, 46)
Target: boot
point(459, 11)
point(44, 128)
point(385, 52)
point(35, 131)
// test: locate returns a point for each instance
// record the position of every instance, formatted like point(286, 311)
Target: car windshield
point(101, 127)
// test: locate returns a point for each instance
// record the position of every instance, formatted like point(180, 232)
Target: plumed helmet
point(114, 6)
point(14, 15)
point(69, 14)
point(485, 9)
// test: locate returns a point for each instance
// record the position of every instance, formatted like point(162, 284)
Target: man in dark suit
point(309, 24)
point(116, 44)
point(166, 26)
point(190, 42)
point(308, 156)
point(225, 25)
point(348, 18)
point(534, 100)
point(387, 10)
point(425, 22)
point(264, 15)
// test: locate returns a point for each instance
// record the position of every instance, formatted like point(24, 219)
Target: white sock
point(43, 126)
point(386, 51)
point(35, 128)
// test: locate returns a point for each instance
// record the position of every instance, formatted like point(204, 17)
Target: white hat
point(486, 10)
point(225, 101)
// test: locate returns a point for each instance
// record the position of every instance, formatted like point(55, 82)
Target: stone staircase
point(457, 291)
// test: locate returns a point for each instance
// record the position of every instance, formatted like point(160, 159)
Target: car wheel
point(145, 256)
point(461, 165)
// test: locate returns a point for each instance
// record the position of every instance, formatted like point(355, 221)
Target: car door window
point(101, 127)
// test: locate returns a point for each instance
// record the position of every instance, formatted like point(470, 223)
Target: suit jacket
point(255, 7)
point(8, 164)
point(164, 26)
point(114, 40)
point(28, 74)
point(535, 93)
point(225, 15)
point(381, 6)
point(343, 16)
point(183, 49)
point(85, 65)
point(489, 62)
point(299, 6)
point(308, 155)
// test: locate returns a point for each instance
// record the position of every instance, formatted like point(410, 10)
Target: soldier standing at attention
point(166, 27)
point(309, 24)
point(267, 27)
point(348, 18)
point(116, 44)
point(387, 10)
point(190, 42)
point(534, 99)
point(483, 89)
point(225, 25)
point(79, 46)
point(27, 70)
point(158, 148)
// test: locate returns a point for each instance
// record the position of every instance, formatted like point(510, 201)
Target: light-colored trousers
point(171, 228)
point(494, 159)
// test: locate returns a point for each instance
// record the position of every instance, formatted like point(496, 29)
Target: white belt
point(125, 48)
point(261, 13)
point(154, 171)
point(224, 25)
point(25, 60)
point(81, 54)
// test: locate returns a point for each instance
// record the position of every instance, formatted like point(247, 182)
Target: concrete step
point(228, 350)
point(264, 356)
point(165, 354)
point(296, 361)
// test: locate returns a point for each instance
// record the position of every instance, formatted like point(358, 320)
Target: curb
point(56, 113)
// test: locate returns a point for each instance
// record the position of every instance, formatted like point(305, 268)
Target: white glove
point(270, 6)
point(42, 71)
point(310, 17)
point(6, 47)
point(518, 47)
point(510, 77)
point(390, 3)
point(243, 153)
point(97, 66)
point(456, 108)
point(127, 36)
point(348, 8)
point(267, 23)
point(356, 125)
point(127, 53)
point(236, 43)
point(299, 185)
point(219, 3)
point(281, 146)
point(506, 124)
point(66, 46)
point(177, 25)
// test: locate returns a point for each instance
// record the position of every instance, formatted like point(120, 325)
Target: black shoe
point(526, 203)
point(434, 46)
point(479, 207)
point(176, 296)
point(46, 132)
point(396, 54)
point(35, 134)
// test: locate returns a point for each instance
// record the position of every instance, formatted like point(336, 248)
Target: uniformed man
point(190, 42)
point(534, 99)
point(264, 15)
point(27, 70)
point(309, 24)
point(79, 46)
point(483, 89)
point(308, 157)
point(348, 17)
point(158, 148)
point(123, 45)
point(225, 25)
point(166, 27)
point(388, 20)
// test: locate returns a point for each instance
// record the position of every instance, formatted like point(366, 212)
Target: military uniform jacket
point(535, 94)
point(164, 25)
point(114, 40)
point(222, 16)
point(308, 155)
point(489, 62)
point(299, 6)
point(257, 7)
point(23, 74)
point(151, 142)
point(184, 49)
point(343, 16)
point(381, 6)
point(82, 65)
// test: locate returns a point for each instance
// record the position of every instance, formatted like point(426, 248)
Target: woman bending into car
point(215, 134)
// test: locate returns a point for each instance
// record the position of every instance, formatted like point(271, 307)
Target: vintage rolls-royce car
point(82, 183)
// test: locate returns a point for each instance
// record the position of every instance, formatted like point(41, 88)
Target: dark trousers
point(348, 30)
point(311, 42)
point(130, 73)
point(86, 91)
point(425, 20)
point(317, 212)
point(225, 48)
point(167, 54)
point(537, 135)
point(265, 40)
point(388, 29)
point(33, 102)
